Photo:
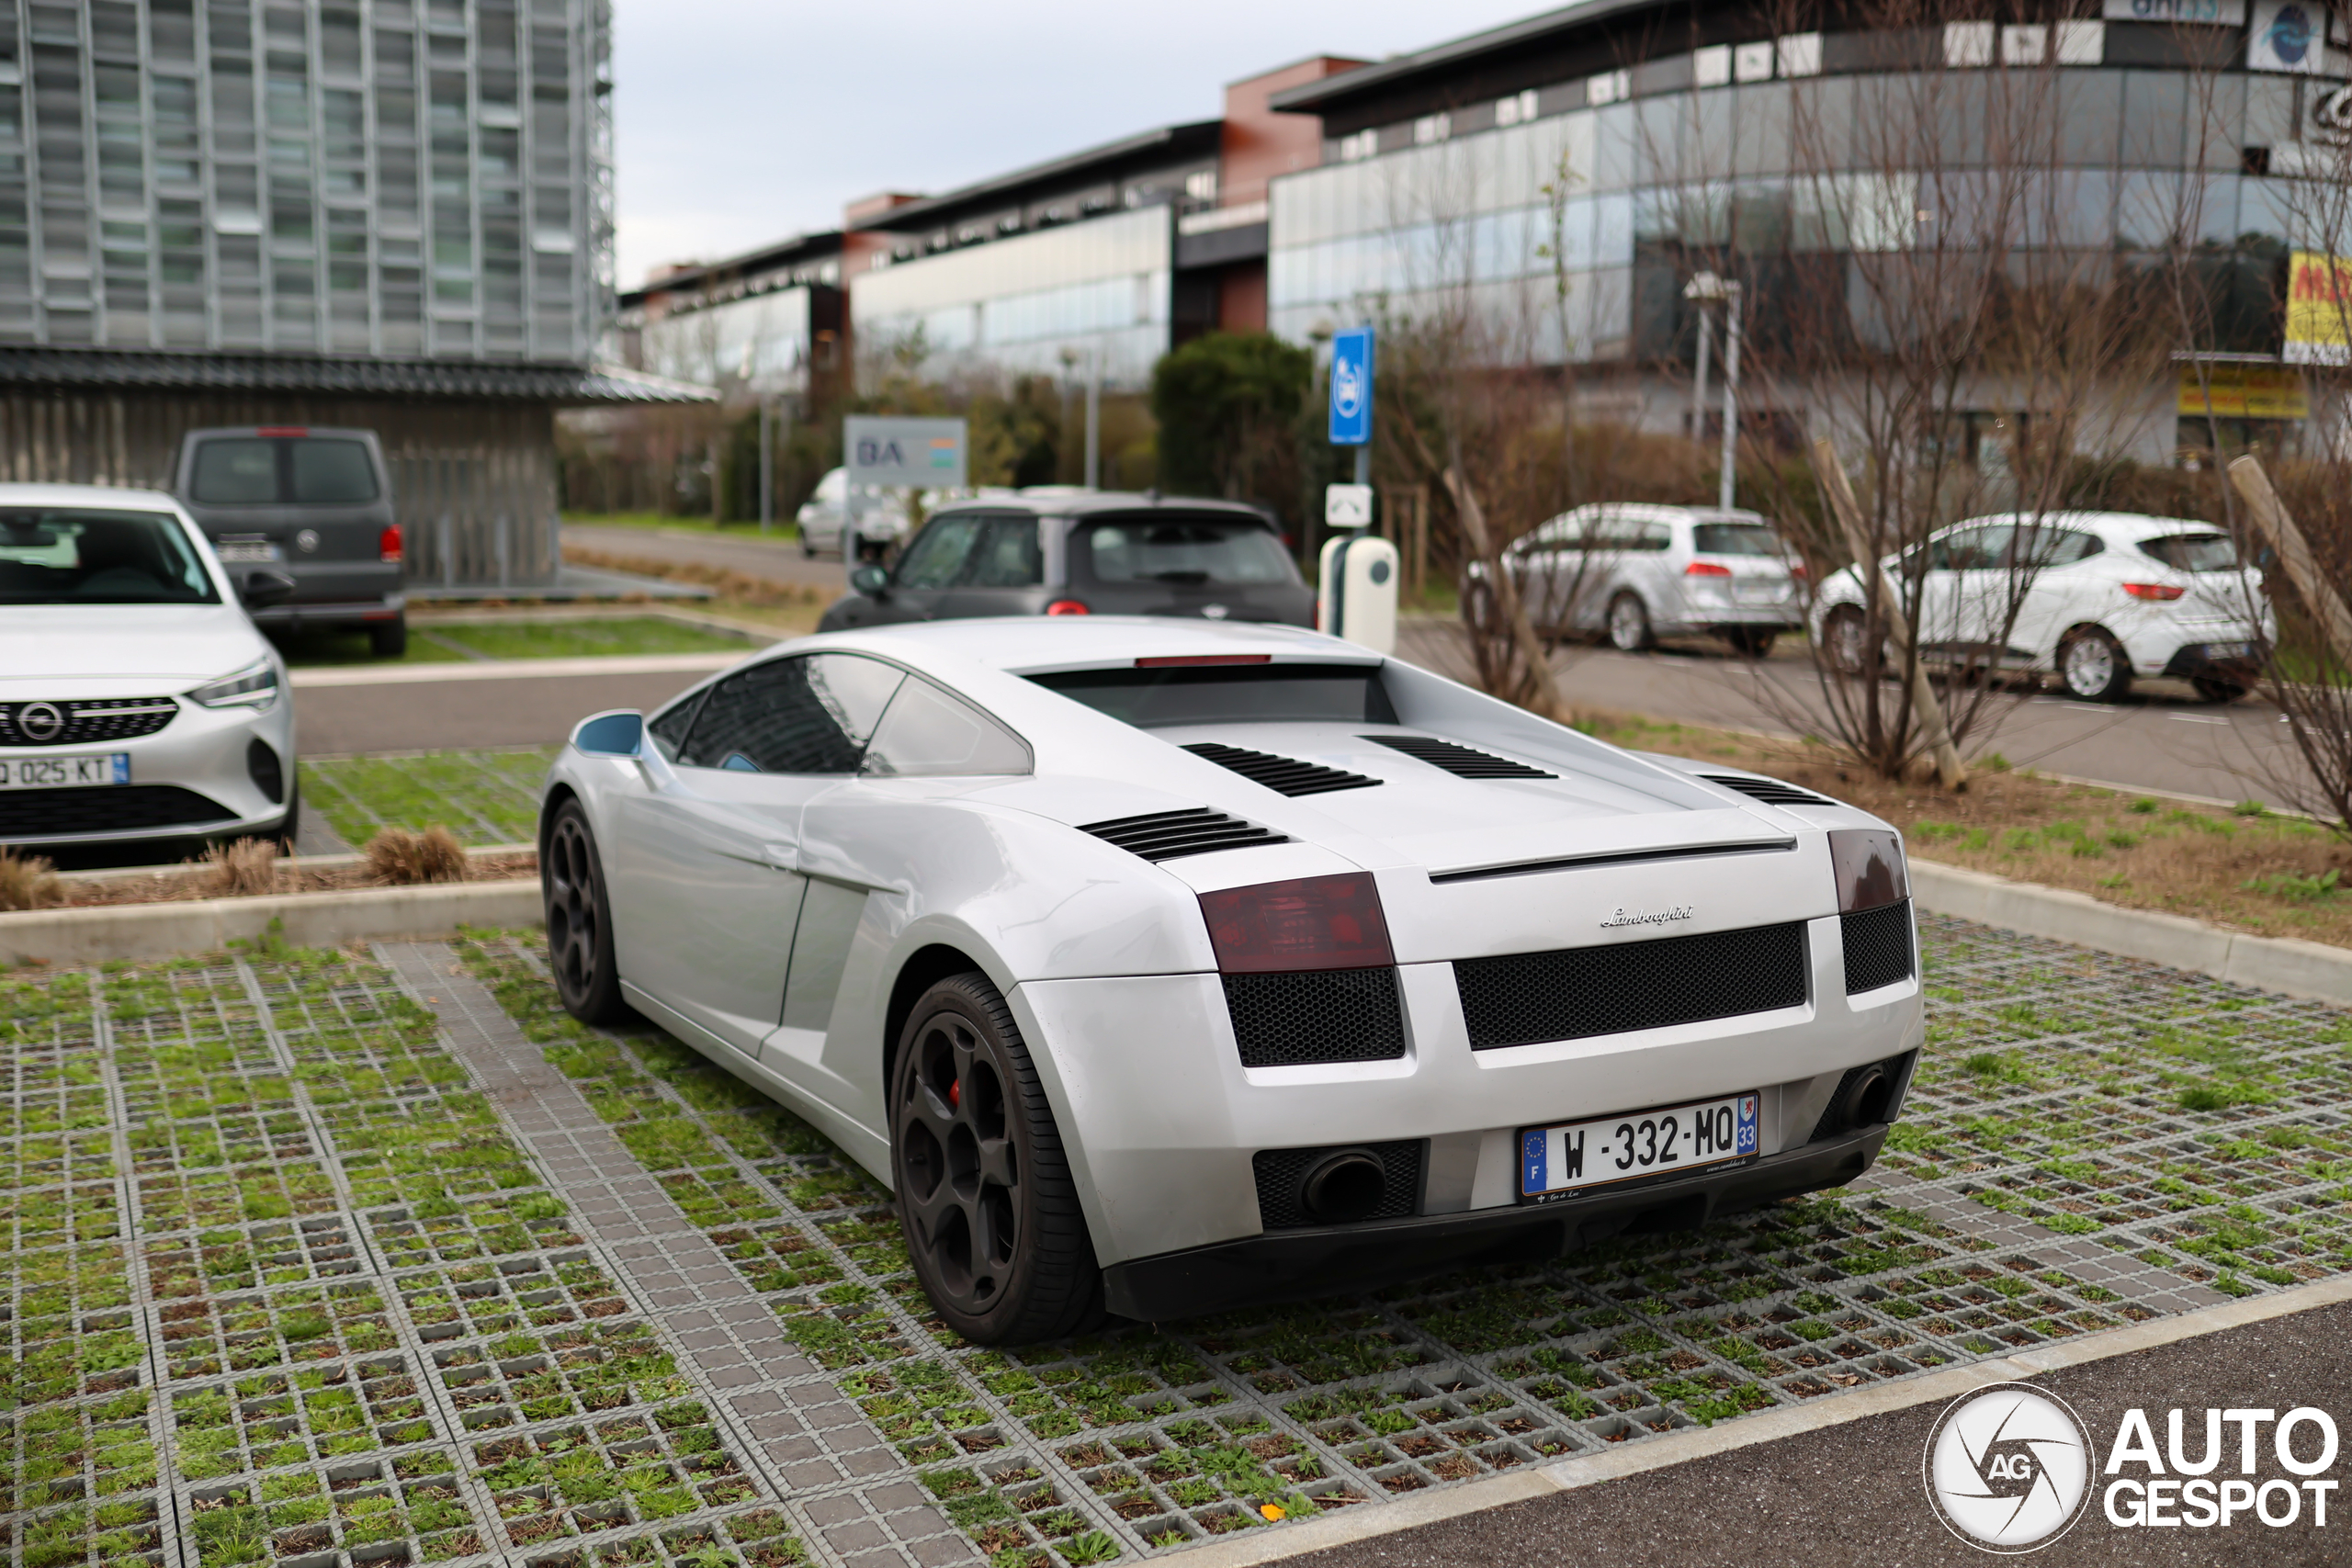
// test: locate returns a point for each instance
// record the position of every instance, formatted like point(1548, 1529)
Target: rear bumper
point(296, 615)
point(1294, 1263)
point(2237, 661)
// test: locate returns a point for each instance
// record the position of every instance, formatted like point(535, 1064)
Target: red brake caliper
point(955, 1095)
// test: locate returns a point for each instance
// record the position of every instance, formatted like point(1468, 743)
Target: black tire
point(388, 640)
point(985, 1194)
point(2092, 667)
point(1629, 625)
point(1841, 637)
point(579, 920)
point(807, 549)
point(289, 828)
point(1751, 642)
point(2213, 688)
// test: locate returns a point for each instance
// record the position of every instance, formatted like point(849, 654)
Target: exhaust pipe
point(1344, 1187)
point(1865, 1101)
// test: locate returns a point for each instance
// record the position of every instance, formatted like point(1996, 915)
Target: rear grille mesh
point(119, 808)
point(1878, 946)
point(1280, 1173)
point(1324, 1015)
point(1771, 792)
point(1462, 762)
point(1283, 776)
point(91, 720)
point(1577, 992)
point(1165, 835)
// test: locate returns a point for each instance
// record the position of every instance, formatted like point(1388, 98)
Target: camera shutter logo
point(2008, 1468)
point(40, 722)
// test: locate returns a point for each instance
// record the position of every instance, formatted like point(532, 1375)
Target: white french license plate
point(2229, 650)
point(230, 553)
point(1574, 1155)
point(1758, 591)
point(50, 773)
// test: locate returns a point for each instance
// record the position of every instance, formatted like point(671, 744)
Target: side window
point(2060, 547)
point(1654, 537)
point(809, 715)
point(1982, 549)
point(930, 734)
point(936, 559)
point(1006, 555)
point(668, 727)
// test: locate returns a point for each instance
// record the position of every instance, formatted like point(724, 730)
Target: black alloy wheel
point(579, 921)
point(985, 1194)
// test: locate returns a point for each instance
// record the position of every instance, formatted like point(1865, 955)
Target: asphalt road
point(1850, 1496)
point(425, 715)
point(2163, 738)
point(772, 561)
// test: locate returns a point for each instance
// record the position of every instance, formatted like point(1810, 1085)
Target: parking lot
point(316, 1255)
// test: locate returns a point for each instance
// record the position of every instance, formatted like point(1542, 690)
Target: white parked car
point(137, 702)
point(1636, 572)
point(824, 519)
point(2097, 597)
point(1158, 964)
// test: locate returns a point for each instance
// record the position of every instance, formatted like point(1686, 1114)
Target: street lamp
point(1704, 290)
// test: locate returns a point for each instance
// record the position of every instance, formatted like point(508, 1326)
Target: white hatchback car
point(2100, 597)
point(138, 701)
point(1161, 964)
point(1637, 572)
point(824, 520)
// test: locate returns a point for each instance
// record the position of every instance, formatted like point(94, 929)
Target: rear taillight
point(1798, 571)
point(2158, 593)
point(388, 543)
point(1315, 923)
point(1867, 864)
point(1705, 569)
point(1067, 607)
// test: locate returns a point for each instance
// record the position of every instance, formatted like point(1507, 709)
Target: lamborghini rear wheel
point(984, 1193)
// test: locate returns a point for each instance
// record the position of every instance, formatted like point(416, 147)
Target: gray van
point(309, 505)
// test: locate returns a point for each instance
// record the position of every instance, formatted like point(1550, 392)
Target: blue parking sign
point(1351, 387)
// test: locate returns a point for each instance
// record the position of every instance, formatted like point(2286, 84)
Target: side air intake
point(1283, 776)
point(1771, 792)
point(1165, 835)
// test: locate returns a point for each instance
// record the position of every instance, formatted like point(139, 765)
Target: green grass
point(780, 529)
point(485, 798)
point(461, 641)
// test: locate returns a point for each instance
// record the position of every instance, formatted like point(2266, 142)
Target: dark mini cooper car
point(309, 503)
point(1086, 553)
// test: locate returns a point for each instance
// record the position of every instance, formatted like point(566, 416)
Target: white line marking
point(2195, 719)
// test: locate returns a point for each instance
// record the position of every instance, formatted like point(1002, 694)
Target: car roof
point(1075, 502)
point(1036, 643)
point(2130, 525)
point(84, 495)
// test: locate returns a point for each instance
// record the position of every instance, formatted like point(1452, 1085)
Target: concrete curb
point(1344, 1529)
point(2286, 964)
point(311, 919)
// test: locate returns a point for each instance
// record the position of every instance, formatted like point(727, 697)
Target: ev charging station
point(1356, 582)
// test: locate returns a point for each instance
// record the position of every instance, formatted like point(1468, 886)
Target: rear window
point(2194, 552)
point(265, 470)
point(1734, 540)
point(1182, 550)
point(1230, 693)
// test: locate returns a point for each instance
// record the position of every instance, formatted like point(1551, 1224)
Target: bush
point(397, 856)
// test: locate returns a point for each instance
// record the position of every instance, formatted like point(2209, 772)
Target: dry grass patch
point(241, 869)
point(2244, 869)
point(786, 607)
point(397, 856)
point(28, 882)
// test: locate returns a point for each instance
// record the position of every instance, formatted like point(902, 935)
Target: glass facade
point(761, 339)
point(388, 177)
point(1019, 305)
point(1655, 183)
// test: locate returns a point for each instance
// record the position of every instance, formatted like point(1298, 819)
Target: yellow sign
point(2319, 310)
point(2243, 392)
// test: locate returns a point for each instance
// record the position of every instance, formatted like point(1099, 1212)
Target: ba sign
point(1351, 387)
point(906, 454)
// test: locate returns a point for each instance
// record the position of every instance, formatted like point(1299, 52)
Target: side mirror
point(872, 580)
point(620, 733)
point(261, 588)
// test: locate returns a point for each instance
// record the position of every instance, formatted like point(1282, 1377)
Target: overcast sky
point(741, 121)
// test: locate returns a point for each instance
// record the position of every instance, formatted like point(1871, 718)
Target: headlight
point(254, 686)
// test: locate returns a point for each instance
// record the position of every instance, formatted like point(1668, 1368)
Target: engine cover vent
point(1283, 776)
point(1165, 835)
point(1771, 792)
point(1462, 762)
